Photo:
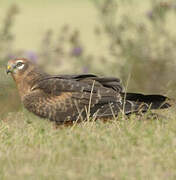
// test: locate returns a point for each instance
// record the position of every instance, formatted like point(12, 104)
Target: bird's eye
point(20, 65)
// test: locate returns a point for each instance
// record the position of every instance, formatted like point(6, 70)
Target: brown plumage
point(67, 98)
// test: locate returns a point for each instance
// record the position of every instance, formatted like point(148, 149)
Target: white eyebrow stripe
point(20, 61)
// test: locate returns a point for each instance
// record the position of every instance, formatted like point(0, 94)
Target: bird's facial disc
point(14, 67)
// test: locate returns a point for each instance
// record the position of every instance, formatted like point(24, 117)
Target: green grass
point(31, 148)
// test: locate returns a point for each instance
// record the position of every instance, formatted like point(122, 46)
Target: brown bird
point(67, 98)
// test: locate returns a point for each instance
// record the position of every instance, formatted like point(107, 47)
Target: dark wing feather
point(75, 76)
point(61, 99)
point(109, 82)
point(55, 86)
point(67, 98)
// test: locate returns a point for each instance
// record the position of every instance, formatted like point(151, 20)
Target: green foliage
point(143, 48)
point(140, 47)
point(66, 51)
point(134, 148)
point(6, 35)
point(9, 99)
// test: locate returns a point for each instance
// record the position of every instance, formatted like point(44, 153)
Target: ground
point(133, 148)
point(31, 148)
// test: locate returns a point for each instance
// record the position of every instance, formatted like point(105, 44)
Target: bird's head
point(19, 67)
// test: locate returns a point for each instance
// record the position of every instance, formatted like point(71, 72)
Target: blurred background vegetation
point(132, 39)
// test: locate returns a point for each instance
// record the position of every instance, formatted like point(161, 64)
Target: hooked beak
point(9, 69)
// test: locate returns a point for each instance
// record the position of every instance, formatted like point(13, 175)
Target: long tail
point(132, 103)
point(154, 101)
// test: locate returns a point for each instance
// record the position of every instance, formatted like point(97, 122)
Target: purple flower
point(31, 55)
point(174, 6)
point(77, 51)
point(149, 14)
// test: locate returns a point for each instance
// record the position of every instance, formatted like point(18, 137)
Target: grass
point(31, 148)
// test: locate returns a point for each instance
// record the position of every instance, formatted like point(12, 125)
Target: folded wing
point(69, 97)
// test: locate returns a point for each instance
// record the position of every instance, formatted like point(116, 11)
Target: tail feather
point(154, 101)
point(114, 108)
point(131, 103)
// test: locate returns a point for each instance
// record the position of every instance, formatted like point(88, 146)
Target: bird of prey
point(68, 98)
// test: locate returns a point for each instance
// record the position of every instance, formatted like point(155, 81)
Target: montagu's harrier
point(67, 98)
